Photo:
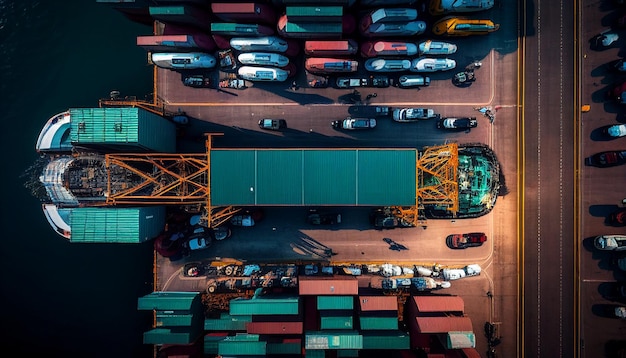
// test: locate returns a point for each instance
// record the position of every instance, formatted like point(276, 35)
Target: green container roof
point(232, 347)
point(293, 177)
point(336, 322)
point(385, 340)
point(378, 322)
point(116, 225)
point(169, 336)
point(314, 27)
point(335, 302)
point(227, 323)
point(175, 301)
point(333, 340)
point(265, 306)
point(320, 11)
point(169, 320)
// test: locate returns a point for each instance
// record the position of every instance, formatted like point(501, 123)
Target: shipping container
point(238, 346)
point(335, 302)
point(333, 340)
point(168, 43)
point(227, 323)
point(315, 353)
point(170, 301)
point(244, 12)
point(116, 225)
point(331, 48)
point(336, 320)
point(378, 303)
point(285, 346)
point(274, 328)
point(346, 3)
point(457, 340)
point(299, 14)
point(429, 304)
point(265, 306)
point(211, 342)
point(170, 336)
point(443, 324)
point(237, 29)
point(122, 129)
point(385, 340)
point(328, 285)
point(306, 30)
point(174, 320)
point(183, 15)
point(377, 323)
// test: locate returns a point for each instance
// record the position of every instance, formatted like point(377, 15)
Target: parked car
point(371, 81)
point(355, 123)
point(614, 291)
point(610, 242)
point(430, 64)
point(197, 81)
point(461, 123)
point(617, 218)
point(409, 81)
point(605, 159)
point(317, 217)
point(378, 64)
point(617, 65)
point(272, 124)
point(429, 47)
point(617, 93)
point(616, 130)
point(462, 26)
point(249, 217)
point(618, 261)
point(389, 29)
point(198, 241)
point(413, 114)
point(462, 241)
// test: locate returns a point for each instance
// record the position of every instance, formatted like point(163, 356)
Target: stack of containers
point(378, 320)
point(178, 316)
point(438, 324)
point(315, 22)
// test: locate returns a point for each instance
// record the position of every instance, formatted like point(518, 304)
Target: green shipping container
point(116, 225)
point(335, 302)
point(122, 129)
point(314, 353)
point(314, 13)
point(173, 301)
point(174, 320)
point(378, 322)
point(284, 348)
point(265, 306)
point(333, 340)
point(385, 340)
point(236, 347)
point(332, 322)
point(227, 323)
point(170, 336)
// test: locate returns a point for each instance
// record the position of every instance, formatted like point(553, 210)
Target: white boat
point(264, 43)
point(263, 59)
point(436, 48)
point(54, 136)
point(189, 60)
point(265, 74)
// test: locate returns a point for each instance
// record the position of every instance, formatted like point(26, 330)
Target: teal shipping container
point(121, 130)
point(181, 15)
point(172, 301)
point(386, 340)
point(291, 346)
point(174, 320)
point(211, 342)
point(378, 322)
point(335, 302)
point(116, 225)
point(227, 323)
point(458, 339)
point(314, 13)
point(242, 345)
point(235, 29)
point(265, 306)
point(333, 340)
point(315, 353)
point(170, 336)
point(330, 320)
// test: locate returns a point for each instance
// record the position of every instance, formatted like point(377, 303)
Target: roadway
point(284, 234)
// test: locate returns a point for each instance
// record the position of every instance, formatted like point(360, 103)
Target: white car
point(616, 130)
point(253, 73)
point(386, 65)
point(263, 59)
point(610, 242)
point(413, 114)
point(428, 64)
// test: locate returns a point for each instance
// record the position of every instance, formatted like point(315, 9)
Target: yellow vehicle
point(440, 7)
point(461, 26)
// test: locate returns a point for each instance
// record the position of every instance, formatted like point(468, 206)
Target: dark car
point(272, 124)
point(614, 291)
point(457, 123)
point(323, 218)
point(617, 93)
point(617, 218)
point(197, 81)
point(609, 158)
point(463, 241)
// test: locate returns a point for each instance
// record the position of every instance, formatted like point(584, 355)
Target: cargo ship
point(322, 65)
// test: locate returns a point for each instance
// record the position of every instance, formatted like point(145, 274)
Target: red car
point(618, 217)
point(462, 241)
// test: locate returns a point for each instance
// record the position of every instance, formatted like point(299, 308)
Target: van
point(409, 81)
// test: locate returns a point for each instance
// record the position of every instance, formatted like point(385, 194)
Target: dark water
point(57, 298)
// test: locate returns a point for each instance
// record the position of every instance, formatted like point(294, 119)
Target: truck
point(450, 274)
point(422, 284)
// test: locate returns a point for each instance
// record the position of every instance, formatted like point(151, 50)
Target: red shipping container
point(176, 42)
point(244, 12)
point(378, 303)
point(331, 48)
point(328, 286)
point(274, 327)
point(443, 324)
point(436, 304)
